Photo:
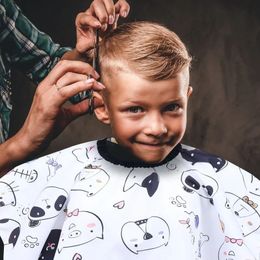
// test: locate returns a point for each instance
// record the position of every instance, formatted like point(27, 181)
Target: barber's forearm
point(13, 152)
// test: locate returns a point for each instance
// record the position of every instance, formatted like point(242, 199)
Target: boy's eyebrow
point(179, 99)
point(141, 102)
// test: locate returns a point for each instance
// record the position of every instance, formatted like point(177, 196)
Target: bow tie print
point(234, 241)
point(75, 213)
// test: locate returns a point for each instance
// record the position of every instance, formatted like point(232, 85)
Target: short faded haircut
point(146, 48)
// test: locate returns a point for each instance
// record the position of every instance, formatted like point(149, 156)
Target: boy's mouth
point(153, 144)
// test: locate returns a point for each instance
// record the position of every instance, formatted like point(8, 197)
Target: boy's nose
point(155, 126)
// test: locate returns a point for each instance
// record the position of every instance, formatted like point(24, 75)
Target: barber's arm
point(47, 116)
point(25, 47)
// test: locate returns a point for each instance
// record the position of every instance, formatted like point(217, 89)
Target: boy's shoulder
point(79, 152)
point(71, 159)
point(230, 176)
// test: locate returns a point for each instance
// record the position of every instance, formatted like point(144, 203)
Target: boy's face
point(147, 117)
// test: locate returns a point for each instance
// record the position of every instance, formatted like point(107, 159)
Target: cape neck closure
point(116, 154)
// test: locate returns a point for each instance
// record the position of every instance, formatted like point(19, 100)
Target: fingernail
point(101, 85)
point(124, 13)
point(98, 24)
point(104, 27)
point(89, 80)
point(111, 19)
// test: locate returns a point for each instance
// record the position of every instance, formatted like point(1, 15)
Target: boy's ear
point(100, 110)
point(189, 91)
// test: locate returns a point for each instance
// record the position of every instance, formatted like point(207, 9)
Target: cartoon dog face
point(48, 205)
point(91, 180)
point(145, 234)
point(7, 195)
point(79, 228)
point(14, 226)
point(149, 180)
point(233, 249)
point(195, 181)
point(246, 212)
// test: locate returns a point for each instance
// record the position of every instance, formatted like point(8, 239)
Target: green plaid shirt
point(23, 47)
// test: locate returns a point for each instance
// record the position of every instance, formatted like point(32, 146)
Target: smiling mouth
point(152, 144)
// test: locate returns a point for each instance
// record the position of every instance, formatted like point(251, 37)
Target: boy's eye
point(172, 107)
point(135, 109)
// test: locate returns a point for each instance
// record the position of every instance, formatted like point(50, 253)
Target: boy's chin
point(152, 156)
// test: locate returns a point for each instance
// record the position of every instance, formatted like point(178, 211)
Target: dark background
point(223, 37)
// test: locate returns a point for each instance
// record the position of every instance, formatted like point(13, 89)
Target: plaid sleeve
point(27, 48)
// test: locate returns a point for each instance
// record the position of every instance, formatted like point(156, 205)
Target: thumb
point(74, 111)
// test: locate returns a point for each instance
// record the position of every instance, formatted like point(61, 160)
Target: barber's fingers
point(104, 10)
point(68, 66)
point(86, 21)
point(69, 78)
point(107, 12)
point(65, 92)
point(75, 110)
point(102, 14)
point(85, 25)
point(115, 22)
point(122, 8)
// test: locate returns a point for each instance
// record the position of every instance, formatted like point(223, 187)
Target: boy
point(140, 194)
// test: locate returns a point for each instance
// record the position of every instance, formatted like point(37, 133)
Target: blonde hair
point(146, 48)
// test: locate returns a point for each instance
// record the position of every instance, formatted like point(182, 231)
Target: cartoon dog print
point(79, 228)
point(233, 249)
point(14, 226)
point(91, 180)
point(145, 234)
point(246, 212)
point(197, 156)
point(48, 205)
point(7, 194)
point(150, 182)
point(204, 185)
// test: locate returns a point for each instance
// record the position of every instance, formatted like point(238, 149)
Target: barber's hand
point(102, 14)
point(48, 116)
